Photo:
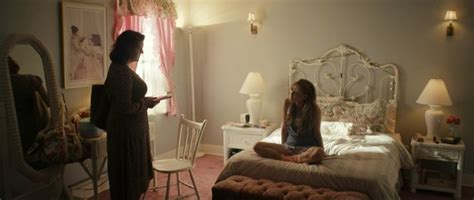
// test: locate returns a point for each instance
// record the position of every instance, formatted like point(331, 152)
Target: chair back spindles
point(189, 137)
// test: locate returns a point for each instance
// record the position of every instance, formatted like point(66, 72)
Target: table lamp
point(253, 86)
point(435, 95)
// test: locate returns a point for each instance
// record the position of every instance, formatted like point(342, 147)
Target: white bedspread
point(369, 164)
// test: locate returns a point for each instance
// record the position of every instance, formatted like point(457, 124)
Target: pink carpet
point(207, 169)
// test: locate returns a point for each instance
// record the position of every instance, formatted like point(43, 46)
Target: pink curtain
point(165, 27)
point(125, 22)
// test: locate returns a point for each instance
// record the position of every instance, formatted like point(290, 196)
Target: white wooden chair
point(189, 137)
point(43, 184)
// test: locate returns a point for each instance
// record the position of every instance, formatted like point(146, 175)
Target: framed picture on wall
point(84, 44)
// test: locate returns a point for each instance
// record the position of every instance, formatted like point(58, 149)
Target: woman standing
point(128, 143)
point(300, 132)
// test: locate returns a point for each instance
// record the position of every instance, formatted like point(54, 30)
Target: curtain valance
point(161, 8)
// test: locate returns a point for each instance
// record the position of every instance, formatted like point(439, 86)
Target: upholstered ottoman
point(242, 187)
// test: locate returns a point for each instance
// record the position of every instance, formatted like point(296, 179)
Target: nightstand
point(239, 138)
point(438, 166)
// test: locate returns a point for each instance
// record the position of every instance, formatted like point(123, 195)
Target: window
point(148, 67)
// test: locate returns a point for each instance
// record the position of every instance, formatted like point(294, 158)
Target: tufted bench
point(242, 187)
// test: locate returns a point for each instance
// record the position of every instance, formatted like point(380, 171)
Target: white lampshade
point(435, 94)
point(450, 15)
point(251, 17)
point(253, 84)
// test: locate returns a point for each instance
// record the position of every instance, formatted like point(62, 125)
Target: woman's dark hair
point(309, 107)
point(125, 47)
point(13, 66)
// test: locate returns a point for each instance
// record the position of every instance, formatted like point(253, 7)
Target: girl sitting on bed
point(300, 133)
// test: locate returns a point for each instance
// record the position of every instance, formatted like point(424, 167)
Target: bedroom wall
point(42, 19)
point(410, 34)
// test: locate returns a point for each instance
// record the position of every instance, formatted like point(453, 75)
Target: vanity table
point(94, 165)
point(98, 150)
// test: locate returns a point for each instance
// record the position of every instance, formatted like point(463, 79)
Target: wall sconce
point(450, 16)
point(253, 23)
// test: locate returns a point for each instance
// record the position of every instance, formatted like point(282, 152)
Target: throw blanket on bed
point(365, 163)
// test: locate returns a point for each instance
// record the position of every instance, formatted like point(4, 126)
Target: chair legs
point(194, 184)
point(178, 183)
point(155, 180)
point(168, 187)
point(66, 193)
point(144, 195)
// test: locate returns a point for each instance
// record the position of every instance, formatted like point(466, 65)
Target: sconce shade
point(435, 94)
point(253, 23)
point(251, 17)
point(450, 15)
point(253, 84)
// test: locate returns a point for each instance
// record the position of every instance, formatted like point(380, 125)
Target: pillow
point(326, 103)
point(274, 137)
point(336, 128)
point(390, 117)
point(335, 110)
point(366, 118)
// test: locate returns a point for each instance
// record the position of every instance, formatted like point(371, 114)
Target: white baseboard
point(212, 149)
point(468, 180)
point(203, 149)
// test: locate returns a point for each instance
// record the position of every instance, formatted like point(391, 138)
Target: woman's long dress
point(128, 143)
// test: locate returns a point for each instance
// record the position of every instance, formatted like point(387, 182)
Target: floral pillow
point(335, 110)
point(390, 117)
point(366, 118)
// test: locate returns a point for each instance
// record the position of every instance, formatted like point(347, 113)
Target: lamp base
point(450, 30)
point(253, 106)
point(434, 118)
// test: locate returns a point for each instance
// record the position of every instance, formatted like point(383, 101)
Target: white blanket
point(369, 164)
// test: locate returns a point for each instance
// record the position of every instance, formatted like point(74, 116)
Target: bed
point(358, 99)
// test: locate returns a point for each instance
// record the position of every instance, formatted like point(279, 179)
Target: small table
point(98, 151)
point(240, 138)
point(443, 155)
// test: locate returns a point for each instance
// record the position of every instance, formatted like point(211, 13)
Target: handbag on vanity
point(100, 106)
point(56, 144)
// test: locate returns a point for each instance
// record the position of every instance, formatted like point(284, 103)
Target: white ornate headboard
point(346, 72)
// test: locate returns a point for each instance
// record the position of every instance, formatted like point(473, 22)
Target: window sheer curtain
point(158, 25)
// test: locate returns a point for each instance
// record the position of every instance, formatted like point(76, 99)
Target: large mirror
point(33, 58)
point(29, 60)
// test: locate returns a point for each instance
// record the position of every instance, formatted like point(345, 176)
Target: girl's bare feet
point(294, 158)
point(314, 155)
